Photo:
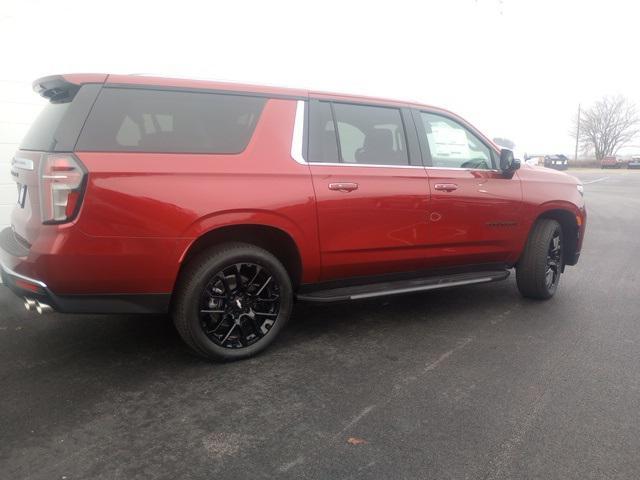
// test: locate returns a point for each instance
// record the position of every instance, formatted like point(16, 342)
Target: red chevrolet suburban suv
point(224, 203)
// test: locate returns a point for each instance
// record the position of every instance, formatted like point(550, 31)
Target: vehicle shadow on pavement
point(452, 310)
point(57, 338)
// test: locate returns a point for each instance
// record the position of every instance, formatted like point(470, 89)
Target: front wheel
point(232, 301)
point(539, 269)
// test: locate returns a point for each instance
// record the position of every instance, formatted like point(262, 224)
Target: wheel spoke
point(256, 327)
point(228, 333)
point(266, 314)
point(263, 286)
point(242, 337)
point(239, 285)
point(224, 283)
point(255, 276)
point(272, 299)
point(211, 332)
point(211, 311)
point(250, 328)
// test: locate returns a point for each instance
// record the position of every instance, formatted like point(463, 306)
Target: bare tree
point(608, 125)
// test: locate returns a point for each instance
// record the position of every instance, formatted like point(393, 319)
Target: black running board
point(381, 289)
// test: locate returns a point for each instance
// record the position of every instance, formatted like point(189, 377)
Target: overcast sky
point(514, 68)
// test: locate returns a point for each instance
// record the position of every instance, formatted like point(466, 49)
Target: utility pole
point(575, 158)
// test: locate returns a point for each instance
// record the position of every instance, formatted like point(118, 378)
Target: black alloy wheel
point(554, 261)
point(231, 301)
point(239, 305)
point(539, 269)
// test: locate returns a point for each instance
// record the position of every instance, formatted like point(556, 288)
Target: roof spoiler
point(62, 88)
point(56, 89)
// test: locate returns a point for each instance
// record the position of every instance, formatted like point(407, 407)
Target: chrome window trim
point(13, 273)
point(297, 141)
point(465, 169)
point(367, 165)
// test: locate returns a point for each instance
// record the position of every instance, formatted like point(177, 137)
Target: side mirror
point(508, 164)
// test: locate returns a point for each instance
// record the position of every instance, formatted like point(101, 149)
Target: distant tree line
point(504, 142)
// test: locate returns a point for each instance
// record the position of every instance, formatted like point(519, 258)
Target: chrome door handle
point(343, 186)
point(446, 187)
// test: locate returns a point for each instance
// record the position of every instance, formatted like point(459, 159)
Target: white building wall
point(19, 106)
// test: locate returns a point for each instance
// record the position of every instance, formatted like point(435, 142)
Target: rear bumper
point(13, 256)
point(26, 287)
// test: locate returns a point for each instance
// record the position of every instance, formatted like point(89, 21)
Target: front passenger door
point(475, 211)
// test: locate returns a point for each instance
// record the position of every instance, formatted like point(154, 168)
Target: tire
point(539, 269)
point(241, 316)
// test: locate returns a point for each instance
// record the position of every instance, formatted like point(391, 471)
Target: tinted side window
point(136, 120)
point(453, 146)
point(371, 135)
point(323, 144)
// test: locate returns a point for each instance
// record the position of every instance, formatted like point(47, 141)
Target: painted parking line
point(595, 181)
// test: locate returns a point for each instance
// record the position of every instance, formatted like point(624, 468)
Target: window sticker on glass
point(448, 141)
point(453, 146)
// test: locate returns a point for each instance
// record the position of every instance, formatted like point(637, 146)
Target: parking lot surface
point(474, 382)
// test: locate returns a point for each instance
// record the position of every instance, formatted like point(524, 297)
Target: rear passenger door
point(371, 188)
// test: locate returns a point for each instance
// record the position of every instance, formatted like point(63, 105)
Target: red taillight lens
point(61, 183)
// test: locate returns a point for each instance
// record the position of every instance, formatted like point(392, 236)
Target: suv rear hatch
point(49, 178)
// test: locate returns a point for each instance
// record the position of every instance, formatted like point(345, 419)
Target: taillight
point(61, 184)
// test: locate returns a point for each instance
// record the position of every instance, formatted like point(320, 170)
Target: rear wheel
point(232, 301)
point(538, 271)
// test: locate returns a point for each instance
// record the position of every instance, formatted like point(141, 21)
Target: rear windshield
point(42, 132)
point(138, 120)
point(58, 125)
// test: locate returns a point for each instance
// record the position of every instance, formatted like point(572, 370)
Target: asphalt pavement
point(468, 383)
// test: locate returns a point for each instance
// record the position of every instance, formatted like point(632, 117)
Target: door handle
point(343, 186)
point(446, 187)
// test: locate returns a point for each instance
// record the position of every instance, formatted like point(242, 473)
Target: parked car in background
point(557, 162)
point(634, 162)
point(222, 204)
point(612, 162)
point(534, 160)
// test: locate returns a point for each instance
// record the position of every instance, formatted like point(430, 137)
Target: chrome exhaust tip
point(30, 304)
point(43, 308)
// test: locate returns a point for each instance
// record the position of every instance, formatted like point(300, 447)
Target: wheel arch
point(273, 239)
point(566, 216)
